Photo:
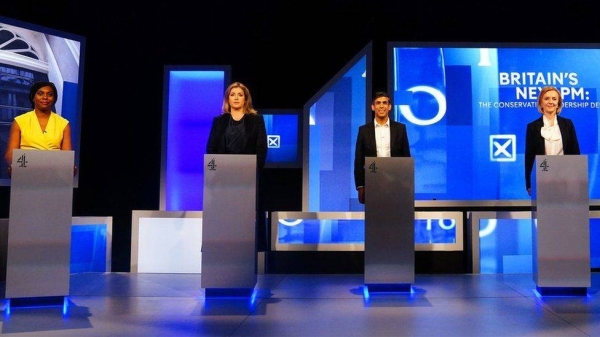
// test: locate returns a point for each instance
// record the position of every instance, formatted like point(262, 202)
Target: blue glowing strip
point(65, 308)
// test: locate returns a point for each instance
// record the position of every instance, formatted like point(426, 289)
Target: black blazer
point(366, 146)
point(256, 136)
point(535, 144)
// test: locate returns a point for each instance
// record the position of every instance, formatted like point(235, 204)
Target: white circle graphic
point(439, 97)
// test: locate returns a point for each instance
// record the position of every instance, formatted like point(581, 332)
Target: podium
point(389, 224)
point(39, 226)
point(229, 225)
point(561, 237)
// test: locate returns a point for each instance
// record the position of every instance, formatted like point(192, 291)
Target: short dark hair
point(381, 94)
point(36, 86)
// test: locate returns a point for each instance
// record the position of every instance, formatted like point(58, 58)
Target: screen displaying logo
point(273, 141)
point(476, 100)
point(283, 139)
point(503, 147)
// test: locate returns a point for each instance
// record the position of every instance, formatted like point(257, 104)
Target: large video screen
point(29, 54)
point(466, 107)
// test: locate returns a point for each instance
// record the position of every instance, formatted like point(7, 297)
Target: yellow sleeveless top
point(32, 135)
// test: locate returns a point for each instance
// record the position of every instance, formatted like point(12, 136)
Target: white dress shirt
point(552, 137)
point(382, 138)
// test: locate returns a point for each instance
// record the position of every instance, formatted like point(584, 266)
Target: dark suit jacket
point(367, 147)
point(535, 144)
point(256, 137)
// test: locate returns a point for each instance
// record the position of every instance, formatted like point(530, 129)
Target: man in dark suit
point(381, 137)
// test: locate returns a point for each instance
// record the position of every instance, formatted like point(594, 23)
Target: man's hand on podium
point(361, 195)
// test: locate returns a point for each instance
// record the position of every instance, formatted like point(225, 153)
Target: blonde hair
point(543, 92)
point(248, 109)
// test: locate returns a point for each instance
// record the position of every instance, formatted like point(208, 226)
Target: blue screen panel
point(193, 97)
point(88, 248)
point(342, 231)
point(333, 122)
point(595, 243)
point(467, 108)
point(283, 131)
point(505, 245)
point(435, 231)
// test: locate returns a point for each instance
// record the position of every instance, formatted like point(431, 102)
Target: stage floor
point(128, 304)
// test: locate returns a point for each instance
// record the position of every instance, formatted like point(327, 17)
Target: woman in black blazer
point(239, 129)
point(549, 134)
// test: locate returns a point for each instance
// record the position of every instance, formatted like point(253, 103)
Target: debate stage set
point(191, 278)
point(448, 242)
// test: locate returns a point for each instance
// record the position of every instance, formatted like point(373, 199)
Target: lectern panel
point(562, 235)
point(228, 224)
point(39, 230)
point(389, 221)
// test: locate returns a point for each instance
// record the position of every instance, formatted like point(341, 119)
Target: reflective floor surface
point(128, 304)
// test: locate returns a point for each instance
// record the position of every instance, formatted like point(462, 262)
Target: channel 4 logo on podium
point(274, 141)
point(22, 161)
point(503, 148)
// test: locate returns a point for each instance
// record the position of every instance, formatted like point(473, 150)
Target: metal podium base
point(228, 292)
point(561, 291)
point(37, 302)
point(389, 288)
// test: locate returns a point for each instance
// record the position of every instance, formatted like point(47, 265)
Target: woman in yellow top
point(39, 129)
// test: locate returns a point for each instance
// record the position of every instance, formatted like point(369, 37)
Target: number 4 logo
point(373, 167)
point(544, 165)
point(212, 165)
point(22, 161)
